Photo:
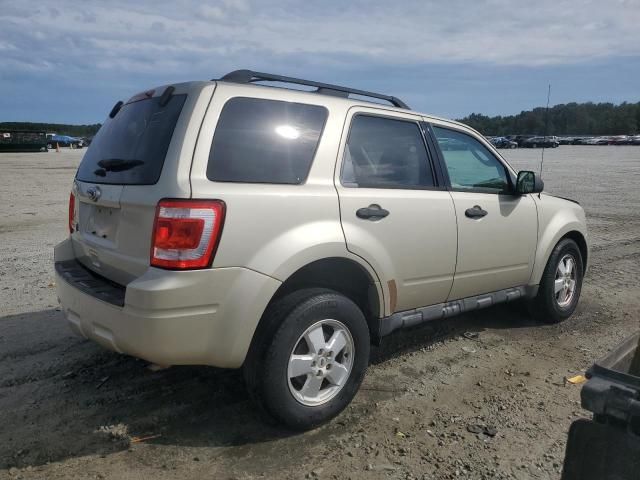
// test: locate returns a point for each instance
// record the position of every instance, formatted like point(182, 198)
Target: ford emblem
point(94, 193)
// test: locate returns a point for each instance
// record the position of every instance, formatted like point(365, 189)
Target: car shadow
point(504, 316)
point(62, 396)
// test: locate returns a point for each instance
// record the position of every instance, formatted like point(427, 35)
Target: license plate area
point(99, 221)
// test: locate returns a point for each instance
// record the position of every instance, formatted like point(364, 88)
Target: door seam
point(455, 267)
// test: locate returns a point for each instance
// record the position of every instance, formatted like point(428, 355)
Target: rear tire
point(320, 335)
point(561, 284)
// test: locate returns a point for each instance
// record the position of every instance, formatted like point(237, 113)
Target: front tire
point(311, 367)
point(561, 284)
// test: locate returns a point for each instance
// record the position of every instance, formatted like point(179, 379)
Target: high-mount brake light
point(72, 212)
point(186, 233)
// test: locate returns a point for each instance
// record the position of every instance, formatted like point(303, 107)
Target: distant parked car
point(22, 141)
point(597, 141)
point(635, 140)
point(64, 141)
point(535, 142)
point(520, 139)
point(452, 144)
point(502, 142)
point(619, 140)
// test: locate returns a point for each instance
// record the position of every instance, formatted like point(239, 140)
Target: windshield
point(130, 148)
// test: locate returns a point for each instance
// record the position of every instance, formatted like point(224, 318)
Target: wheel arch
point(546, 246)
point(343, 275)
point(579, 238)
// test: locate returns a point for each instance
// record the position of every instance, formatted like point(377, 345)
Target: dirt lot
point(69, 409)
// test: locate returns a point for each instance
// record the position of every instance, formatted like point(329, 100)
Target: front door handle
point(475, 212)
point(372, 212)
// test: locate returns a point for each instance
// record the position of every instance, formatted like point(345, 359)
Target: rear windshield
point(130, 148)
point(265, 141)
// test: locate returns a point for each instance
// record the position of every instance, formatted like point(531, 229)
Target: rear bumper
point(200, 317)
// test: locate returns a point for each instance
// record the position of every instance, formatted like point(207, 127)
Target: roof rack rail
point(249, 76)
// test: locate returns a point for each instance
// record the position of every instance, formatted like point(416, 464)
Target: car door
point(395, 210)
point(497, 230)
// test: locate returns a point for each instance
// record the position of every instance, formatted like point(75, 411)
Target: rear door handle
point(372, 212)
point(475, 212)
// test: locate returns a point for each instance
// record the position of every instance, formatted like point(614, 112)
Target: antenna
point(546, 126)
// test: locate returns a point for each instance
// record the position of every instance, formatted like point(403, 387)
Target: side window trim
point(429, 150)
point(442, 176)
point(443, 165)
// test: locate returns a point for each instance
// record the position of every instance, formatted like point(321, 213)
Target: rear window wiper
point(116, 165)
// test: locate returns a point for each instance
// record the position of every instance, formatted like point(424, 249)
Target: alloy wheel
point(320, 362)
point(565, 281)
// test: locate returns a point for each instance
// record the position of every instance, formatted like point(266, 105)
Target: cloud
point(210, 12)
point(188, 33)
point(123, 44)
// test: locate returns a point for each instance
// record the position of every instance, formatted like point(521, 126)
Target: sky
point(69, 62)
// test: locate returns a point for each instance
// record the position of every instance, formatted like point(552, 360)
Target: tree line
point(563, 119)
point(59, 128)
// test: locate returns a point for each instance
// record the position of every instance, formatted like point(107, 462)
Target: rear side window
point(130, 148)
point(265, 141)
point(385, 153)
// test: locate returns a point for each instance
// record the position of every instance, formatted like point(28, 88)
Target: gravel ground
point(434, 404)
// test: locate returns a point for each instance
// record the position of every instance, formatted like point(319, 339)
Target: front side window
point(471, 166)
point(265, 141)
point(385, 153)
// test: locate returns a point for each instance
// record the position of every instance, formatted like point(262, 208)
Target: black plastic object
point(166, 95)
point(74, 273)
point(608, 447)
point(476, 212)
point(249, 76)
point(116, 108)
point(597, 451)
point(372, 212)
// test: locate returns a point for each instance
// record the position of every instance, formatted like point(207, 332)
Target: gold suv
point(233, 224)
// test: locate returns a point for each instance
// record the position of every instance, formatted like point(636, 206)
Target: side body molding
point(410, 318)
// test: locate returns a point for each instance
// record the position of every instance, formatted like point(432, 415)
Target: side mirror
point(528, 182)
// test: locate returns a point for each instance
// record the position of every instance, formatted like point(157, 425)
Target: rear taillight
point(186, 233)
point(72, 212)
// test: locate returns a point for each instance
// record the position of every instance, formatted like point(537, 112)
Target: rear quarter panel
point(276, 229)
